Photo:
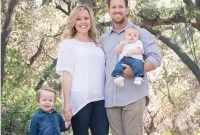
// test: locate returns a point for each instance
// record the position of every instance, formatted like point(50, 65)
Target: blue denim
point(136, 65)
point(44, 123)
point(92, 116)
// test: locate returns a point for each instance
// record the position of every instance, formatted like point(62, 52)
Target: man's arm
point(128, 73)
point(148, 66)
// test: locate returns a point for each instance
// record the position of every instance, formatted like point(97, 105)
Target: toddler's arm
point(33, 126)
point(64, 124)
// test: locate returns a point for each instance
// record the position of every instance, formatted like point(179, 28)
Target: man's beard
point(120, 22)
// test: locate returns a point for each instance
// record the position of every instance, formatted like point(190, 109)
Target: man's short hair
point(126, 3)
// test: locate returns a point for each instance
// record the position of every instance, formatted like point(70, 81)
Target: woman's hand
point(68, 112)
point(67, 124)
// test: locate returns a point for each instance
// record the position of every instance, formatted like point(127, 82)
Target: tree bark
point(189, 15)
point(46, 74)
point(197, 3)
point(182, 55)
point(7, 27)
point(90, 3)
point(189, 3)
point(39, 50)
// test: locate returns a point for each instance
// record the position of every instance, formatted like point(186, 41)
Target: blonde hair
point(49, 89)
point(71, 21)
point(131, 28)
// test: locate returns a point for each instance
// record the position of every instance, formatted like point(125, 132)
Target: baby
point(47, 121)
point(130, 52)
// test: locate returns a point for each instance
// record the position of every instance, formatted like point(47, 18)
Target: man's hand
point(128, 72)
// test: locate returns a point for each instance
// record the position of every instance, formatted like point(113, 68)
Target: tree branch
point(189, 3)
point(190, 16)
point(177, 18)
point(197, 3)
point(60, 32)
point(46, 74)
point(151, 127)
point(61, 9)
point(34, 57)
point(175, 47)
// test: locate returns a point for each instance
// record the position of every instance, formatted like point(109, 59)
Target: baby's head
point(46, 98)
point(131, 35)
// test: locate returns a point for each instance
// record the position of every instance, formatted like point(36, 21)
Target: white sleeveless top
point(85, 61)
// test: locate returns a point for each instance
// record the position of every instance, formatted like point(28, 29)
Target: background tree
point(31, 49)
point(6, 29)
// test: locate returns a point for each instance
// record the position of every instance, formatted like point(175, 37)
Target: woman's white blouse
point(85, 61)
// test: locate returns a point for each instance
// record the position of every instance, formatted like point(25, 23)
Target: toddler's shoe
point(119, 81)
point(138, 80)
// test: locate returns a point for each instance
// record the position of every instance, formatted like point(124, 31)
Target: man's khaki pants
point(127, 120)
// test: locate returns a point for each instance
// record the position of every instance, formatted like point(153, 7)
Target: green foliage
point(172, 84)
point(18, 106)
point(18, 94)
point(18, 98)
point(102, 8)
point(169, 132)
point(16, 68)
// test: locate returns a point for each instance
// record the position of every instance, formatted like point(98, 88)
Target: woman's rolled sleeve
point(65, 60)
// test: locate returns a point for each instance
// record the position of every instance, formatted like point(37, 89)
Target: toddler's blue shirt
point(44, 123)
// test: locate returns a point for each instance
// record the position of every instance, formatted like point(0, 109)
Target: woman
point(81, 65)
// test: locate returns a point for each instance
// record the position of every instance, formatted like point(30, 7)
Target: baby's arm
point(137, 51)
point(120, 47)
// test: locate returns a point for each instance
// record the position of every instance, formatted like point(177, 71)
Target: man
point(125, 105)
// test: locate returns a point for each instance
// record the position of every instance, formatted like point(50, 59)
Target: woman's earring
point(74, 30)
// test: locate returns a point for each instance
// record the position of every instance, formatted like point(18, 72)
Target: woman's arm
point(66, 86)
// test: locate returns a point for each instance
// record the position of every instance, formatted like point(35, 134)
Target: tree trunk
point(91, 3)
point(7, 27)
point(197, 3)
point(46, 74)
point(182, 55)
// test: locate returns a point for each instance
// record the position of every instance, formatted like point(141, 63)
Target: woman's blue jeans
point(92, 116)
